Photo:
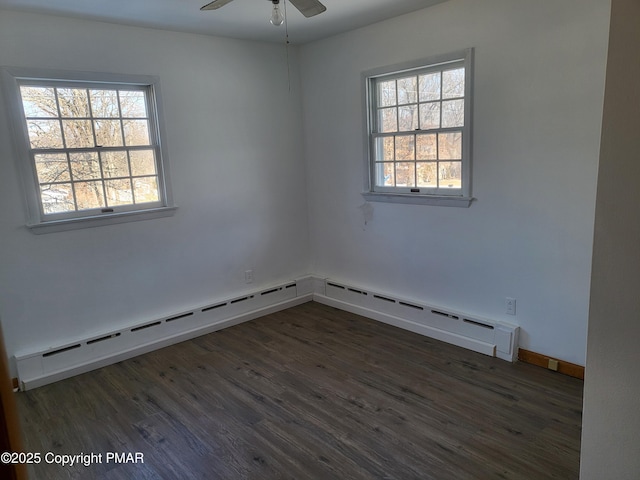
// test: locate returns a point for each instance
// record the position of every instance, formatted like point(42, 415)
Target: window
point(419, 131)
point(92, 146)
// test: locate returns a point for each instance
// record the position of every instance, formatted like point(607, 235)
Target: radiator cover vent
point(497, 339)
point(82, 355)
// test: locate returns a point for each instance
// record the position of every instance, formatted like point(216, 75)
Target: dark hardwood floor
point(311, 393)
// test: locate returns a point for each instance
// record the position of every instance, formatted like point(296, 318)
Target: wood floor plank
point(311, 392)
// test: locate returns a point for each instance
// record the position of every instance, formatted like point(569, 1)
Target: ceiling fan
point(308, 8)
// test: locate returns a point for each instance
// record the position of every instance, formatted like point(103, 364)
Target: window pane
point(407, 90)
point(429, 115)
point(453, 113)
point(388, 120)
point(78, 133)
point(453, 83)
point(450, 146)
point(450, 174)
point(142, 162)
point(384, 149)
point(108, 133)
point(57, 198)
point(133, 104)
point(426, 147)
point(408, 118)
point(52, 167)
point(430, 87)
point(85, 165)
point(74, 102)
point(427, 174)
point(405, 174)
point(385, 174)
point(38, 102)
point(136, 132)
point(115, 164)
point(44, 133)
point(89, 195)
point(387, 93)
point(104, 103)
point(405, 148)
point(146, 189)
point(118, 192)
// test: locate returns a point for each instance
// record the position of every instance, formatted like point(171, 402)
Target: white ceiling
point(246, 19)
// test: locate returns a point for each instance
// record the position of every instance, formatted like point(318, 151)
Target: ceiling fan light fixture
point(277, 16)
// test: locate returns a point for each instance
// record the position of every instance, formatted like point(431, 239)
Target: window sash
point(104, 180)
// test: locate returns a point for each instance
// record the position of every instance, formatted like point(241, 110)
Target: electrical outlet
point(510, 305)
point(248, 276)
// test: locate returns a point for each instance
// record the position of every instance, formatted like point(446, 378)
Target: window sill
point(436, 200)
point(98, 221)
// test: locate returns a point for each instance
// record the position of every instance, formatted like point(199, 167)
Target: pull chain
point(286, 33)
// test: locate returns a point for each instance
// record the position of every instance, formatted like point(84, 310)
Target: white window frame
point(40, 222)
point(459, 197)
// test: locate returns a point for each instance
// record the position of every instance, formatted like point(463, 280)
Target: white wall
point(611, 415)
point(539, 83)
point(235, 151)
point(234, 134)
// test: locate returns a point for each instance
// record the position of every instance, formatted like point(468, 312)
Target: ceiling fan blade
point(308, 8)
point(216, 4)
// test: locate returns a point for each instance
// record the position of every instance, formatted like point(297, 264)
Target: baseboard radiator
point(496, 339)
point(62, 361)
